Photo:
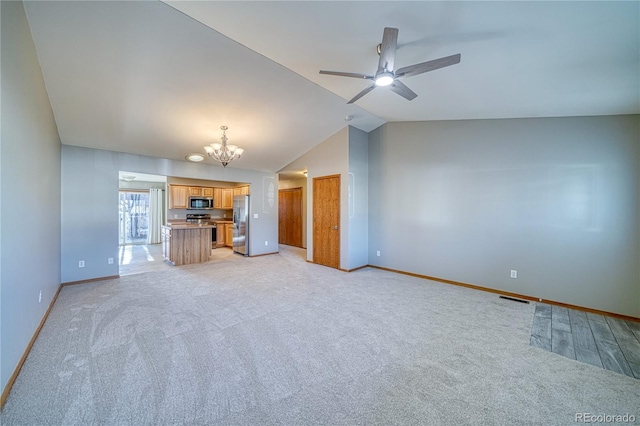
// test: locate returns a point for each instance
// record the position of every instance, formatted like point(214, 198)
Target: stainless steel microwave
point(200, 203)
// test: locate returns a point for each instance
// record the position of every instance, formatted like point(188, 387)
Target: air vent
point(515, 300)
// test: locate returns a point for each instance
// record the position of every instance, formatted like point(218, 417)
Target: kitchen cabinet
point(220, 235)
point(217, 198)
point(227, 198)
point(200, 191)
point(178, 196)
point(241, 190)
point(228, 231)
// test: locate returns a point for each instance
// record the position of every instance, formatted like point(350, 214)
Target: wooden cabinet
point(222, 198)
point(217, 198)
point(178, 196)
point(241, 190)
point(200, 191)
point(220, 234)
point(227, 198)
point(228, 231)
point(224, 235)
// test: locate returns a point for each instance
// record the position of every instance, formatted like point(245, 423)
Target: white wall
point(556, 199)
point(90, 205)
point(358, 205)
point(30, 192)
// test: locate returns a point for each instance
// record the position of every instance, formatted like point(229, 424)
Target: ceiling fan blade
point(361, 94)
point(347, 74)
point(428, 66)
point(402, 90)
point(388, 49)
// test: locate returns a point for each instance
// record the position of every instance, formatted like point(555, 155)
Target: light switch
point(255, 215)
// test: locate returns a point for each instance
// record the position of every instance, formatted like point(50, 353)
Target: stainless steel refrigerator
point(241, 224)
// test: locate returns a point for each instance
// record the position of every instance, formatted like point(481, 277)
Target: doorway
point(290, 217)
point(326, 221)
point(134, 217)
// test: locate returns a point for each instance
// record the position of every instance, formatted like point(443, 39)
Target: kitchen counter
point(186, 225)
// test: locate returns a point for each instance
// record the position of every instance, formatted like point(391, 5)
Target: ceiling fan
point(386, 76)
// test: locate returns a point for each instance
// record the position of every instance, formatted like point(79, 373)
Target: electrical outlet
point(255, 215)
point(514, 273)
point(110, 260)
point(40, 297)
point(81, 264)
point(378, 253)
point(266, 243)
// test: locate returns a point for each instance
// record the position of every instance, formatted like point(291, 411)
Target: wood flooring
point(602, 341)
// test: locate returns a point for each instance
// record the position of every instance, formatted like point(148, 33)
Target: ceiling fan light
point(384, 79)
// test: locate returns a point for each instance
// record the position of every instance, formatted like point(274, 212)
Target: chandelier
point(221, 151)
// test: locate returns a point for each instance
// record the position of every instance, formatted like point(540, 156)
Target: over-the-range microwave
point(200, 203)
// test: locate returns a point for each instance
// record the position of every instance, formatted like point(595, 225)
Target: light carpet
point(277, 340)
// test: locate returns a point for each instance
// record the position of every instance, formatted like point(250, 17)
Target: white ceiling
point(159, 79)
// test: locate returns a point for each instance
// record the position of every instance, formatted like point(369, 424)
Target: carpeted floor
point(276, 340)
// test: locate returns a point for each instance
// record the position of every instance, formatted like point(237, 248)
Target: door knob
point(335, 227)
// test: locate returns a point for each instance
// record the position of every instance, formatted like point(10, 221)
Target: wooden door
point(290, 217)
point(326, 221)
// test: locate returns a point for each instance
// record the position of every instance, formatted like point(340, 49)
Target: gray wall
point(331, 157)
point(90, 205)
point(556, 199)
point(358, 206)
point(30, 192)
point(345, 153)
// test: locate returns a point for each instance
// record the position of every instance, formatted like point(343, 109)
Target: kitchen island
point(183, 244)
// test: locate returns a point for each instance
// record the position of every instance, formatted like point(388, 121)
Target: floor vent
point(515, 300)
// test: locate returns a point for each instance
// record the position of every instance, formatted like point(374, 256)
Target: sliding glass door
point(134, 217)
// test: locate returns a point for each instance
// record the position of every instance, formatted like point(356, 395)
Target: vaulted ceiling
point(160, 78)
